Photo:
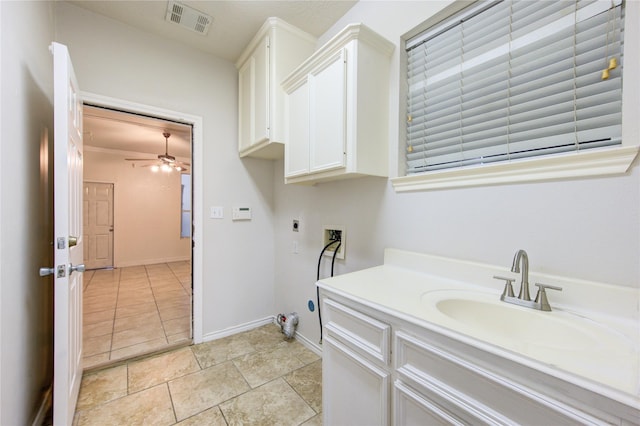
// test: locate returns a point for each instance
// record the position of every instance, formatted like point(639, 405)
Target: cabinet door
point(354, 391)
point(246, 105)
point(261, 92)
point(327, 101)
point(297, 147)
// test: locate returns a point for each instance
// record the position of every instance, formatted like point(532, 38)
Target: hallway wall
point(118, 61)
point(26, 132)
point(146, 210)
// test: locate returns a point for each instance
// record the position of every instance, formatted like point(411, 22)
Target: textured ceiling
point(234, 25)
point(234, 22)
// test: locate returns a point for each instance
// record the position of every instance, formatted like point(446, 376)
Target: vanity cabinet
point(337, 109)
point(380, 368)
point(273, 53)
point(356, 387)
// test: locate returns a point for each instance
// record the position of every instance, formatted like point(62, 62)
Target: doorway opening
point(138, 292)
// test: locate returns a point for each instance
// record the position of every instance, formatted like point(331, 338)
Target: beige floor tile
point(139, 349)
point(183, 302)
point(221, 350)
point(139, 320)
point(167, 314)
point(149, 407)
point(136, 335)
point(170, 294)
point(265, 336)
point(90, 308)
point(264, 366)
point(96, 345)
point(133, 300)
point(205, 389)
point(94, 360)
point(127, 311)
point(102, 386)
point(94, 317)
point(162, 368)
point(260, 407)
point(177, 325)
point(121, 303)
point(305, 355)
point(183, 337)
point(97, 329)
point(211, 417)
point(307, 382)
point(314, 421)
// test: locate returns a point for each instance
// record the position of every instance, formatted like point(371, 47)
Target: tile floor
point(251, 378)
point(135, 310)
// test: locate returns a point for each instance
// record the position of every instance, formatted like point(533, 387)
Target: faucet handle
point(508, 287)
point(541, 297)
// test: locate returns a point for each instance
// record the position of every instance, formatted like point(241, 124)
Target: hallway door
point(68, 242)
point(98, 225)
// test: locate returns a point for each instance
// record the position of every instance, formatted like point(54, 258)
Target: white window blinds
point(514, 79)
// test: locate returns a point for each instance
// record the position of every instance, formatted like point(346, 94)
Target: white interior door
point(97, 200)
point(68, 243)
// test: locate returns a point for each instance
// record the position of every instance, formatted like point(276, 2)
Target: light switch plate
point(217, 212)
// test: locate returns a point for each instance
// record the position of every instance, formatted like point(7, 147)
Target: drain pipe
point(288, 324)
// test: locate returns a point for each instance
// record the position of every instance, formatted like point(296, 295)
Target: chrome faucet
point(521, 257)
point(524, 299)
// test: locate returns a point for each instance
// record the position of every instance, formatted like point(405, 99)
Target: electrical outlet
point(333, 233)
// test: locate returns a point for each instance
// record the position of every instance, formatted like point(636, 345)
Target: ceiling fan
point(164, 162)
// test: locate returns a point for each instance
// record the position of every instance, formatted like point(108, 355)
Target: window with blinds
point(514, 79)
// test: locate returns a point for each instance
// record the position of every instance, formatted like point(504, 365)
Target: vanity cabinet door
point(354, 390)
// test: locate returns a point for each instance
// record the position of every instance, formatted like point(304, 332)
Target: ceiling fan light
point(155, 168)
point(165, 168)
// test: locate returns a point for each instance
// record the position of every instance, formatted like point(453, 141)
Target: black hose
point(318, 279)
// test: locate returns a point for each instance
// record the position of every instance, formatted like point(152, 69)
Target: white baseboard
point(238, 329)
point(312, 346)
point(127, 263)
point(45, 404)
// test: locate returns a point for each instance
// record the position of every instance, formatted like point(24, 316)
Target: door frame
point(197, 182)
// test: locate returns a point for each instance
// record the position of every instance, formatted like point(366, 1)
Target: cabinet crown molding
point(270, 24)
point(355, 31)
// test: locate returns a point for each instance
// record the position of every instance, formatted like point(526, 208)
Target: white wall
point(26, 311)
point(146, 210)
point(584, 228)
point(118, 61)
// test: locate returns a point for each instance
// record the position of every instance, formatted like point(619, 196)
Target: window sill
point(609, 161)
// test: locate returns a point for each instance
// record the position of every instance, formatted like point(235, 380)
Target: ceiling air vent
point(188, 17)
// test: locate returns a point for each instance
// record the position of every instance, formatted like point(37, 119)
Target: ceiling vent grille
point(188, 17)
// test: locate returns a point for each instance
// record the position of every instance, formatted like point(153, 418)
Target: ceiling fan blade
point(141, 159)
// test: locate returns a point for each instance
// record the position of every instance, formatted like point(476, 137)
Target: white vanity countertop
point(398, 286)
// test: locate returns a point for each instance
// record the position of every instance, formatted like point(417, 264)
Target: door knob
point(47, 271)
point(77, 268)
point(73, 241)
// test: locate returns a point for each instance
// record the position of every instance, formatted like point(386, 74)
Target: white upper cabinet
point(272, 54)
point(338, 109)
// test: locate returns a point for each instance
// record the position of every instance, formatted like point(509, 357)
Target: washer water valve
point(288, 324)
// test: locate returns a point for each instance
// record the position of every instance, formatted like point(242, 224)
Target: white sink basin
point(558, 338)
